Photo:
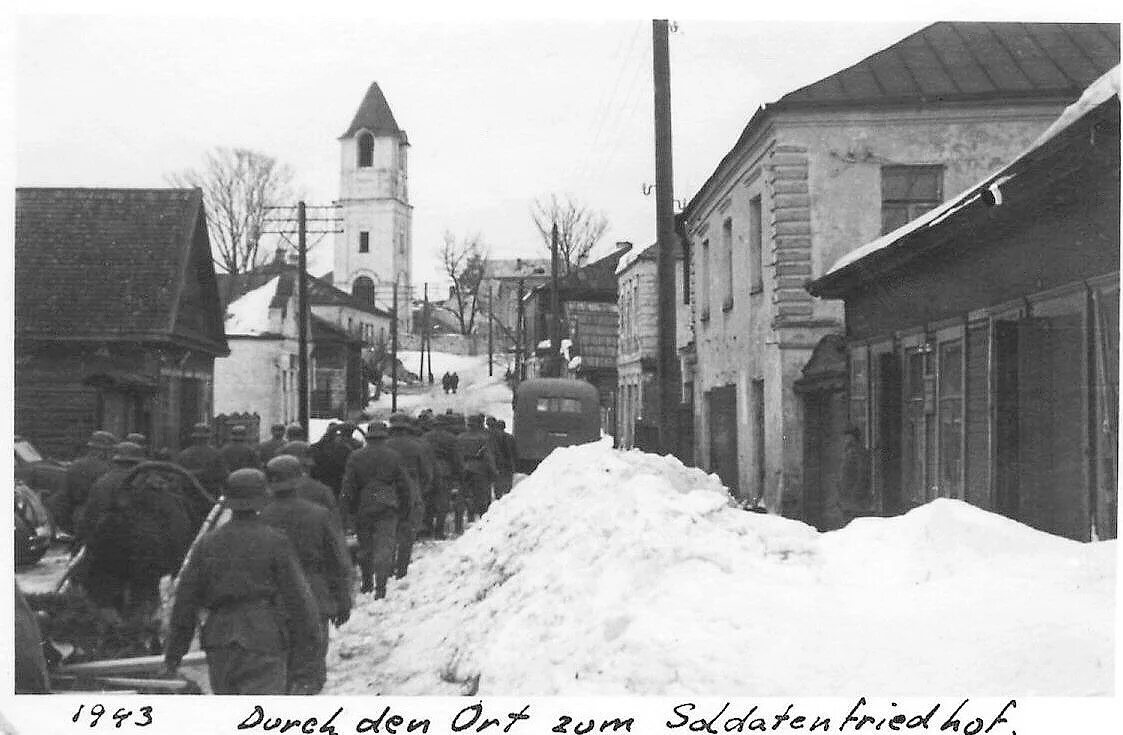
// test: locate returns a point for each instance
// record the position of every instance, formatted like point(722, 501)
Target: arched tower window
point(366, 150)
point(363, 289)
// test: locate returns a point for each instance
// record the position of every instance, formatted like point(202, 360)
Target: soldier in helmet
point(81, 475)
point(419, 468)
point(376, 492)
point(322, 551)
point(295, 433)
point(307, 486)
point(474, 446)
point(247, 577)
point(204, 461)
point(140, 440)
point(447, 469)
point(268, 448)
point(238, 453)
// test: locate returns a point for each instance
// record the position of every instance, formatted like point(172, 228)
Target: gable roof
point(111, 264)
point(954, 62)
point(374, 115)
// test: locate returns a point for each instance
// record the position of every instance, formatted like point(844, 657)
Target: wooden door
point(722, 409)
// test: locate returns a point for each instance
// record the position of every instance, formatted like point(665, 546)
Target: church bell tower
point(375, 246)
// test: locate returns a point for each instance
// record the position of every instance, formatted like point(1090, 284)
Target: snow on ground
point(612, 573)
point(477, 392)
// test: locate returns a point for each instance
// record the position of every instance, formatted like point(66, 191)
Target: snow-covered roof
point(248, 316)
point(1095, 95)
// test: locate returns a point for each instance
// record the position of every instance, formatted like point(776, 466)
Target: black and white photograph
point(651, 354)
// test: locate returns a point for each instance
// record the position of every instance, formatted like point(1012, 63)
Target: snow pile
point(248, 315)
point(613, 573)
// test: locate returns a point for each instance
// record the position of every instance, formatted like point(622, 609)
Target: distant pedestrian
point(454, 381)
point(259, 605)
point(446, 382)
point(238, 453)
point(376, 492)
point(268, 448)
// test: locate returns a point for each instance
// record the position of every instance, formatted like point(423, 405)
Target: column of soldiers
point(277, 575)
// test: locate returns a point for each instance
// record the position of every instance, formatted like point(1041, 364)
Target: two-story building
point(831, 165)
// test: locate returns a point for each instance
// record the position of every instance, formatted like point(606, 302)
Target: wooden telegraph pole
point(555, 307)
point(490, 337)
point(520, 335)
point(302, 314)
point(667, 366)
point(394, 350)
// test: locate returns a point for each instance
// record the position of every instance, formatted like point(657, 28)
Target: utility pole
point(394, 351)
point(279, 221)
point(490, 337)
point(555, 307)
point(520, 335)
point(426, 332)
point(302, 313)
point(424, 321)
point(667, 366)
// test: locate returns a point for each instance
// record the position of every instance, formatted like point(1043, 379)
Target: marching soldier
point(246, 575)
point(479, 465)
point(376, 492)
point(504, 448)
point(308, 487)
point(140, 440)
point(415, 458)
point(204, 461)
point(81, 475)
point(268, 448)
point(447, 469)
point(322, 551)
point(238, 453)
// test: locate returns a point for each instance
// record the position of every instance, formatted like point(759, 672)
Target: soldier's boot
point(380, 590)
point(367, 582)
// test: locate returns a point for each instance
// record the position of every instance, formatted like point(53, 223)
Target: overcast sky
point(497, 112)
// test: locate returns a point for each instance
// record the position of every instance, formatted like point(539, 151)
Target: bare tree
point(238, 185)
point(579, 228)
point(464, 261)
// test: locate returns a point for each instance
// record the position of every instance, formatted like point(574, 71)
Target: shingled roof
point(320, 291)
point(113, 264)
point(374, 115)
point(957, 62)
point(951, 61)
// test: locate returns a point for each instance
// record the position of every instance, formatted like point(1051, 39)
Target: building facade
point(638, 353)
point(117, 316)
point(983, 341)
point(375, 247)
point(834, 164)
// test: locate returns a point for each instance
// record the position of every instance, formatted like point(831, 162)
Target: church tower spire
point(375, 246)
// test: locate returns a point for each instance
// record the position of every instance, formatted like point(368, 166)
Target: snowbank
point(611, 573)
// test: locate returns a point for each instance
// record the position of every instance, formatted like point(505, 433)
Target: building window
point(756, 247)
point(685, 271)
point(908, 192)
point(364, 242)
point(363, 289)
point(366, 150)
point(704, 281)
point(727, 253)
